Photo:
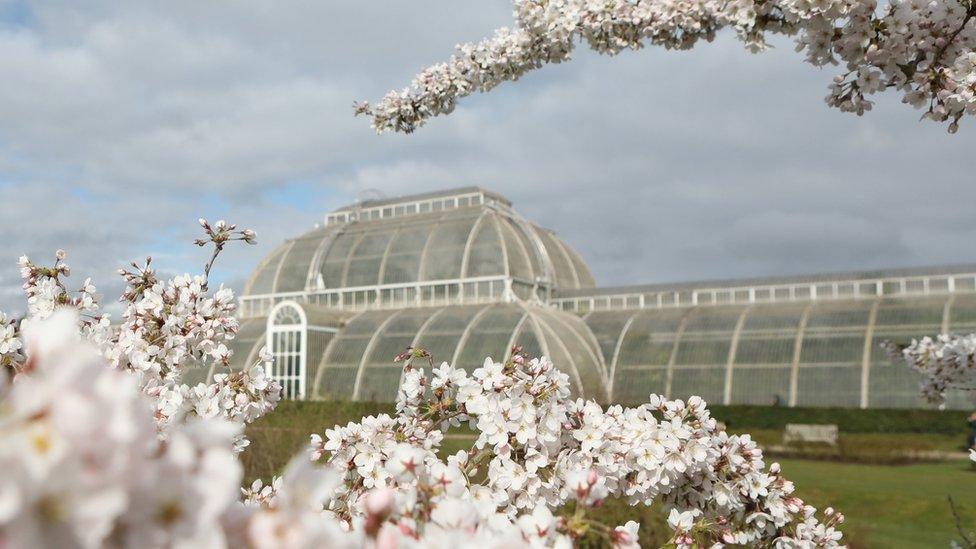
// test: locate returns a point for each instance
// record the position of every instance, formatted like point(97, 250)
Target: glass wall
point(765, 353)
point(801, 354)
point(358, 363)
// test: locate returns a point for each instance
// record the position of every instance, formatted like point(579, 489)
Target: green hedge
point(316, 416)
point(848, 420)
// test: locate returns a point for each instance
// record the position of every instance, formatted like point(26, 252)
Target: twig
point(962, 533)
point(213, 258)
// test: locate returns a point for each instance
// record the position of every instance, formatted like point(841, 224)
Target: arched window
point(287, 338)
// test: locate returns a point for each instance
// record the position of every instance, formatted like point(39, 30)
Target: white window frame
point(283, 358)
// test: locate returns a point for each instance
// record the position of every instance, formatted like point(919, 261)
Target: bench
point(800, 432)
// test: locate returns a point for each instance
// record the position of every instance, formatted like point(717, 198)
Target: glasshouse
point(463, 275)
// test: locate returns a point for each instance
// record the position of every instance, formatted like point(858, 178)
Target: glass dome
point(462, 243)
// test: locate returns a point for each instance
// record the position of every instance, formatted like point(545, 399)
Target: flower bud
point(380, 502)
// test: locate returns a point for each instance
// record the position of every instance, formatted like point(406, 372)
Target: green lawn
point(876, 441)
point(890, 506)
point(885, 505)
point(869, 448)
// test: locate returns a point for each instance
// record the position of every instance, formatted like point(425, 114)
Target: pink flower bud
point(380, 501)
point(379, 504)
point(406, 530)
point(592, 477)
point(387, 539)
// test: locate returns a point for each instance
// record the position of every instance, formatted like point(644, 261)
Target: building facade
point(463, 275)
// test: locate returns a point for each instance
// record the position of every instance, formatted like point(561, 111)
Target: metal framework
point(436, 293)
point(866, 354)
point(902, 286)
point(465, 334)
point(408, 206)
point(616, 350)
point(573, 369)
point(730, 363)
point(369, 351)
point(320, 370)
point(503, 323)
point(463, 273)
point(528, 275)
point(594, 355)
point(797, 349)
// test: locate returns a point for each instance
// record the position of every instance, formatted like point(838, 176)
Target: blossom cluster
point(239, 396)
point(10, 345)
point(87, 469)
point(82, 461)
point(921, 48)
point(105, 445)
point(170, 327)
point(84, 467)
point(536, 449)
point(47, 291)
point(167, 328)
point(945, 362)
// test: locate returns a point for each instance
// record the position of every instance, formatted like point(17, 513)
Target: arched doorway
point(287, 339)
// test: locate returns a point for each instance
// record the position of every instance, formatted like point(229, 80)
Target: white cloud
point(120, 123)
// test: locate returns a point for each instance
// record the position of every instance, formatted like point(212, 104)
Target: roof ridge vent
point(369, 209)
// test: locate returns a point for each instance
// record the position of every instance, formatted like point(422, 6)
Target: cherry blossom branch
point(922, 49)
point(104, 445)
point(167, 328)
point(539, 448)
point(219, 234)
point(945, 362)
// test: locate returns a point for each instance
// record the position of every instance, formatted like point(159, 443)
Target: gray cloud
point(120, 124)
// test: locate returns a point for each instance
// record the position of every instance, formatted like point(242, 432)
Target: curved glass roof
point(812, 354)
point(802, 354)
point(462, 275)
point(357, 362)
point(469, 242)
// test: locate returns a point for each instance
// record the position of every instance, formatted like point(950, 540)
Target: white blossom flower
point(101, 440)
point(921, 49)
point(681, 521)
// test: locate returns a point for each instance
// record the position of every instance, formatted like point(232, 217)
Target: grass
point(870, 448)
point(890, 506)
point(278, 436)
point(887, 506)
point(896, 506)
point(906, 441)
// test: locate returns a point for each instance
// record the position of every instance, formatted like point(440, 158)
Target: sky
point(121, 123)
